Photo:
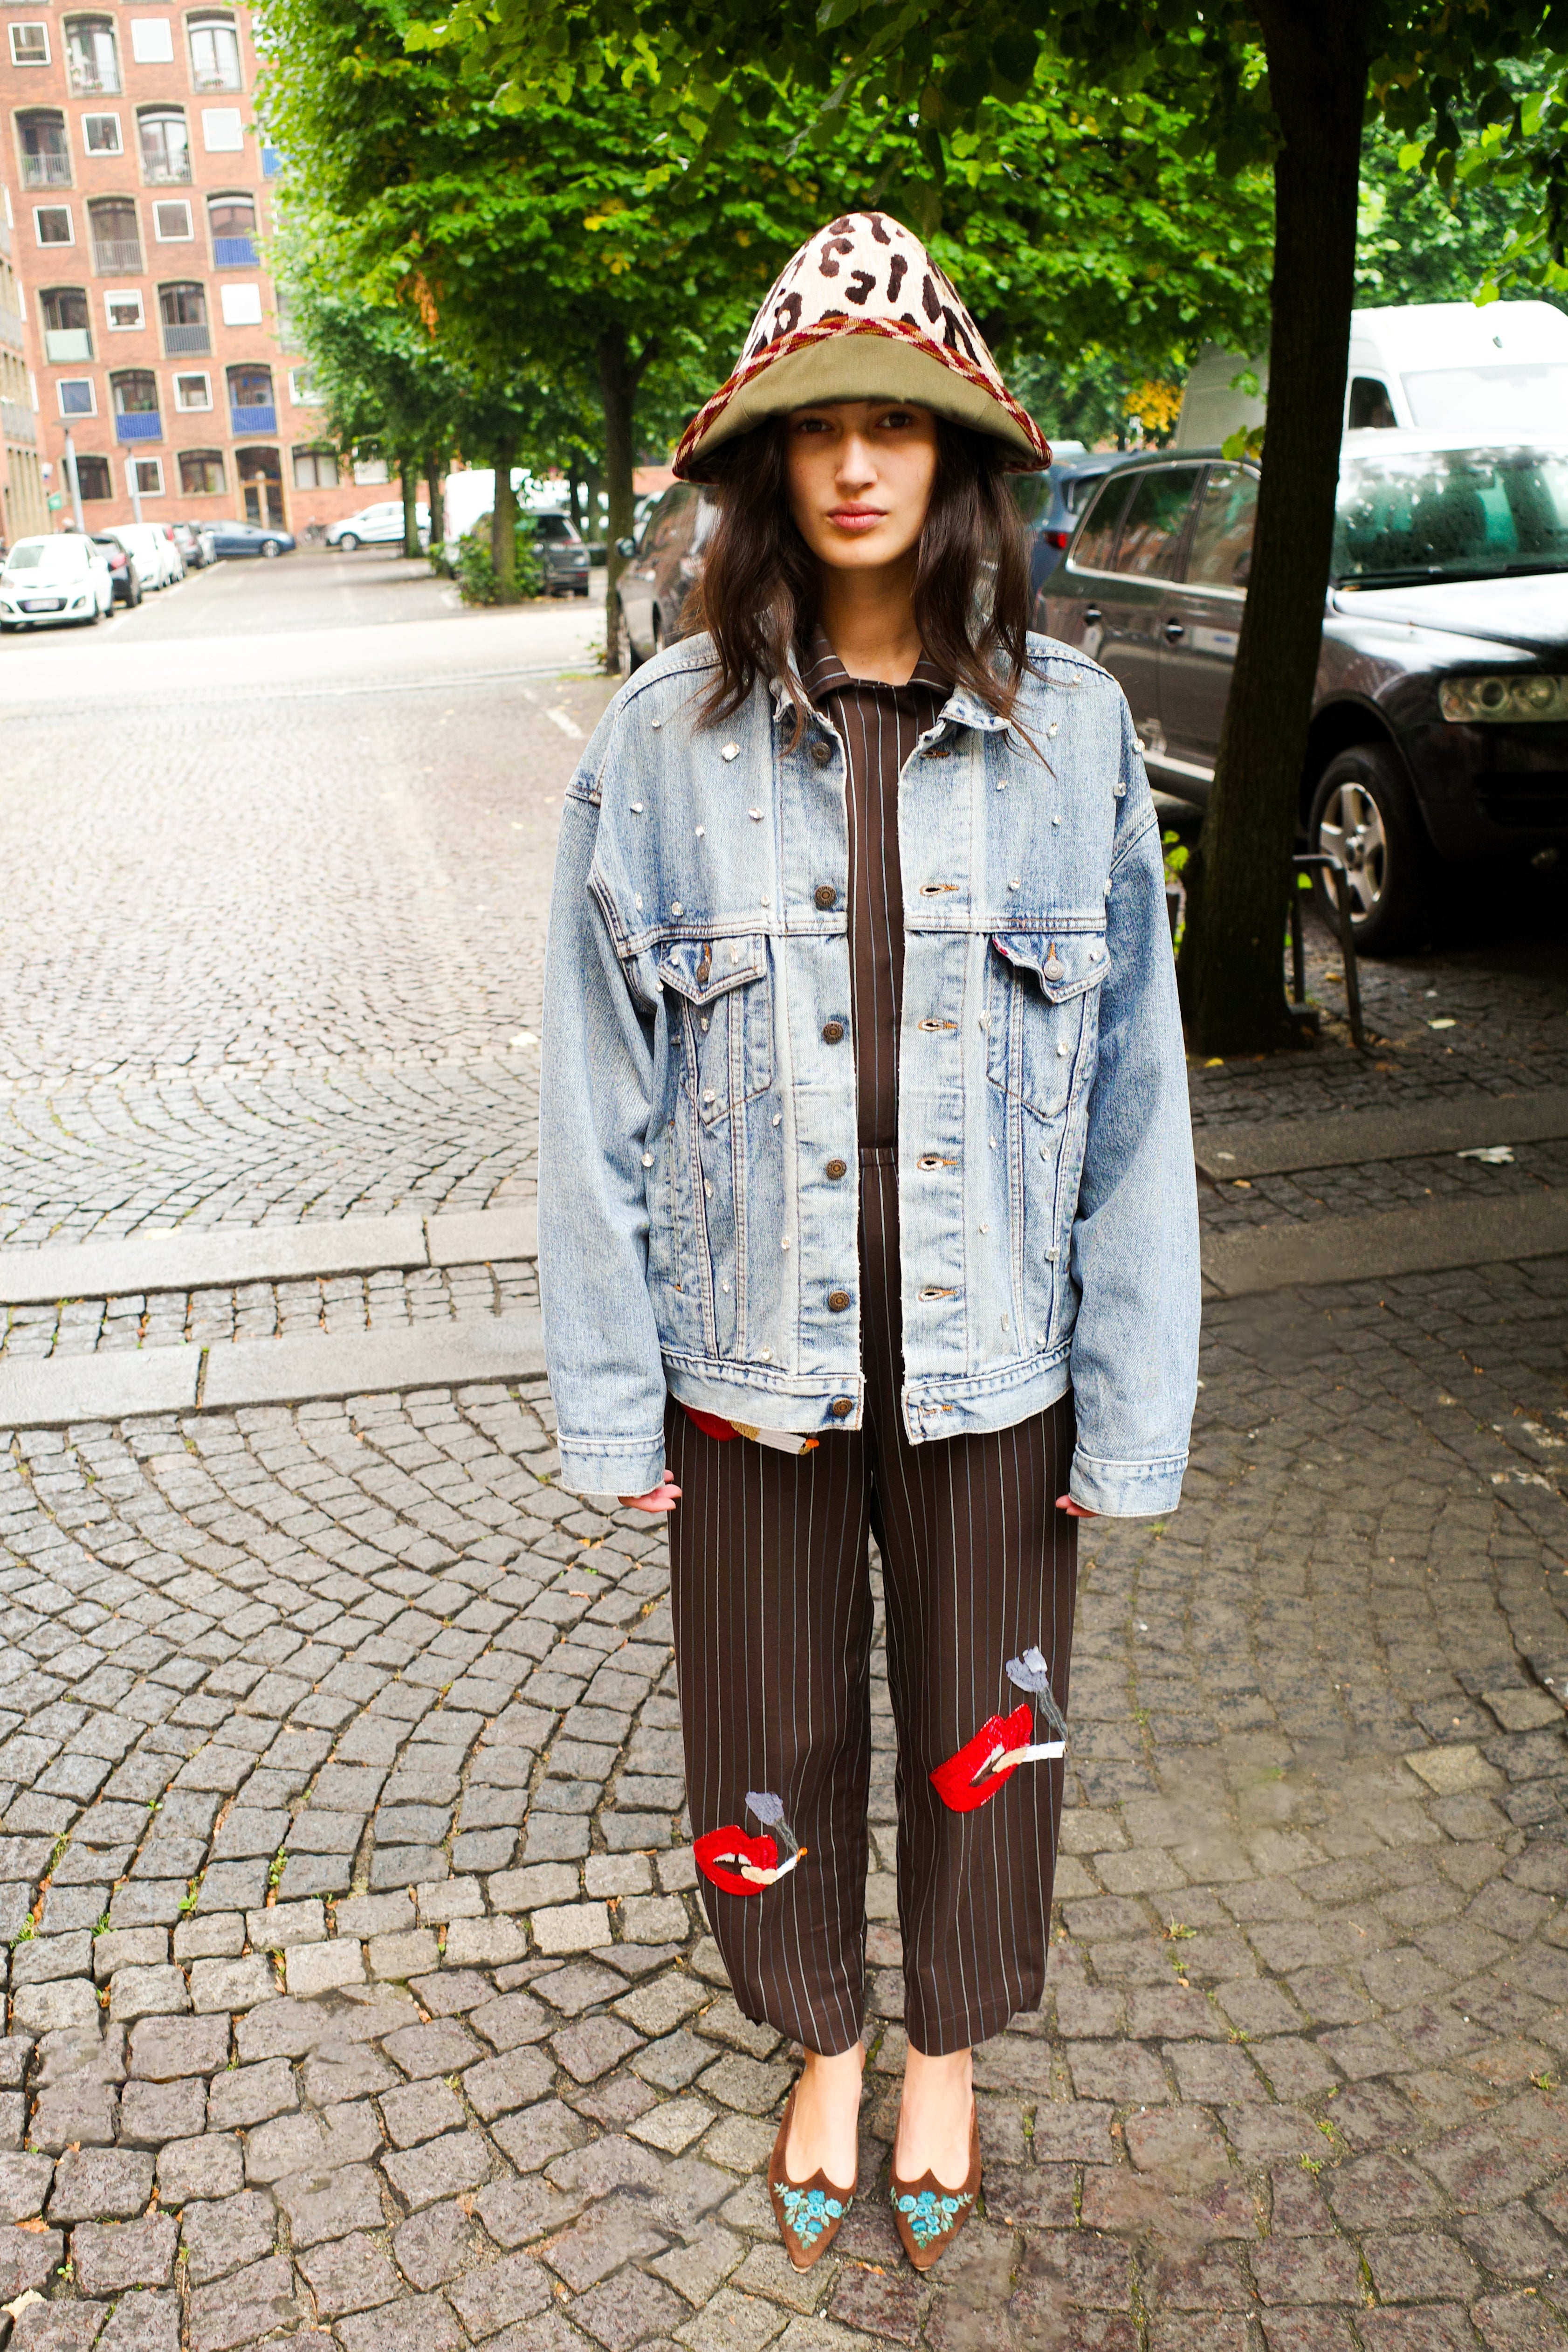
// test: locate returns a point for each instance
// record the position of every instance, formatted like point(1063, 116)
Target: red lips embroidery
point(716, 1848)
point(963, 1782)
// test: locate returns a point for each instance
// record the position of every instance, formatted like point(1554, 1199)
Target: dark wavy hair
point(758, 591)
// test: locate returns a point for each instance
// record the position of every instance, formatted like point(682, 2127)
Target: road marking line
point(567, 724)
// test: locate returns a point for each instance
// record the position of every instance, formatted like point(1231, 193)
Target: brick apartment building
point(138, 198)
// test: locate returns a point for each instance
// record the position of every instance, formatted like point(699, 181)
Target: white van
point(1436, 366)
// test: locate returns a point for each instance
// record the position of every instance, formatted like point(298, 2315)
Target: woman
point(866, 1185)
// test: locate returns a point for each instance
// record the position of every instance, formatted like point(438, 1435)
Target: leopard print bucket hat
point(862, 312)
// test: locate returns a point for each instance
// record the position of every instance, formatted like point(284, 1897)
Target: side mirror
point(626, 549)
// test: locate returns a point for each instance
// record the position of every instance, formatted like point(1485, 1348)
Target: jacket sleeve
point(601, 1349)
point(1135, 1241)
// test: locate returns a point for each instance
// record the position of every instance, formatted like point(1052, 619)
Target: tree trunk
point(1232, 965)
point(618, 393)
point(574, 499)
point(592, 483)
point(503, 529)
point(434, 477)
point(408, 482)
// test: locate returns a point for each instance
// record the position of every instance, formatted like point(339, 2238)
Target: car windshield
point(1450, 514)
point(61, 556)
point(1482, 399)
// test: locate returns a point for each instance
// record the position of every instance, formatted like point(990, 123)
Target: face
point(859, 474)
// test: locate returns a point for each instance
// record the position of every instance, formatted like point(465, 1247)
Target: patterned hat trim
point(805, 346)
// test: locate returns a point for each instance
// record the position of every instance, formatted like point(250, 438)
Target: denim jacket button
point(838, 1300)
point(825, 895)
point(841, 1408)
point(837, 1167)
point(833, 1033)
point(822, 753)
point(703, 970)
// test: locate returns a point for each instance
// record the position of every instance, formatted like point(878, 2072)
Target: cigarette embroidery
point(971, 1778)
point(740, 1864)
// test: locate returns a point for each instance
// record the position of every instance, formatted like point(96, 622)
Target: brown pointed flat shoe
point(808, 2213)
point(929, 2217)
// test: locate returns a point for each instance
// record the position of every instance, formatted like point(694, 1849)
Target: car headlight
point(1527, 694)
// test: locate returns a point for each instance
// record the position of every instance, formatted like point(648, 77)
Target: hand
point(661, 1497)
point(1074, 1510)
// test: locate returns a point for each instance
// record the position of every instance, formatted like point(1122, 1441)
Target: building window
point(215, 53)
point(314, 469)
point(193, 391)
point(91, 59)
point(251, 404)
point(201, 473)
point(77, 397)
point(67, 335)
point(46, 158)
point(184, 311)
point(146, 475)
point(100, 135)
point(165, 146)
point(52, 224)
point(371, 470)
point(135, 398)
point(232, 220)
point(222, 132)
point(271, 163)
point(93, 478)
point(242, 303)
point(29, 44)
point(151, 42)
point(302, 389)
point(124, 310)
point(171, 222)
point(116, 238)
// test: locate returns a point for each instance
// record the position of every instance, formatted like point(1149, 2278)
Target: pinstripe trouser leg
point(773, 1637)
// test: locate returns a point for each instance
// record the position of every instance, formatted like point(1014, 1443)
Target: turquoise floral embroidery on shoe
point(928, 2215)
point(808, 2211)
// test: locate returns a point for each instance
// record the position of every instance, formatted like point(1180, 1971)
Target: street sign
point(55, 501)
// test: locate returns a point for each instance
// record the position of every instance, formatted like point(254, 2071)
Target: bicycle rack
point(1310, 862)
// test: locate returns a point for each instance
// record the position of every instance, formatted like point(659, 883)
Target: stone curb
point(222, 1256)
point(1277, 1147)
point(1424, 1237)
point(61, 1390)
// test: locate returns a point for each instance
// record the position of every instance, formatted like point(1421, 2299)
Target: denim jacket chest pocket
point(1042, 1014)
point(725, 1019)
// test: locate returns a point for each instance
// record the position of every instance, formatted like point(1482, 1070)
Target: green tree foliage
point(595, 238)
point(1260, 80)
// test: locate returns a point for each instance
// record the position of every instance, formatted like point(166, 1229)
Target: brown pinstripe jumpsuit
point(772, 1598)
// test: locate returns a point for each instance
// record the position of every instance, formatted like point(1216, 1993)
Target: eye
point(897, 420)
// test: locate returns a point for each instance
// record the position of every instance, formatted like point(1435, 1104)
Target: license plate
point(44, 604)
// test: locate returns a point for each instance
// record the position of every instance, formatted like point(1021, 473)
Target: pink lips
point(856, 518)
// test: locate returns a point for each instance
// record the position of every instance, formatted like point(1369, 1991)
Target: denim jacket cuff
point(1125, 1490)
point(610, 1466)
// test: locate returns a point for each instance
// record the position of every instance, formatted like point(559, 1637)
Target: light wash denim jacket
point(698, 1085)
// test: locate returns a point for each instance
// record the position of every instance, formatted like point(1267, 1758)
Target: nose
point(856, 465)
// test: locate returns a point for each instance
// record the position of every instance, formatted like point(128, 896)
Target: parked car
point(194, 541)
point(564, 556)
point(45, 582)
point(1068, 484)
point(663, 563)
point(376, 526)
point(162, 564)
point(1439, 727)
point(124, 567)
point(251, 539)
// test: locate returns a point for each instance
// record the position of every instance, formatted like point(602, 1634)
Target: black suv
point(1439, 725)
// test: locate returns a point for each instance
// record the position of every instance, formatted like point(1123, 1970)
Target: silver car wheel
point(1351, 829)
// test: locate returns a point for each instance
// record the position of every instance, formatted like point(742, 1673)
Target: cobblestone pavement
point(359, 1983)
point(357, 1980)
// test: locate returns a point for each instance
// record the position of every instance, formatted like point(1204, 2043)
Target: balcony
point(45, 171)
point(166, 170)
point(117, 257)
point(187, 343)
point(234, 252)
point(144, 424)
point(62, 345)
point(253, 420)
